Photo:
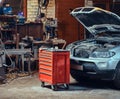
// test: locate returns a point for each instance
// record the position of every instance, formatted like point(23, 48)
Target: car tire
point(117, 78)
point(76, 75)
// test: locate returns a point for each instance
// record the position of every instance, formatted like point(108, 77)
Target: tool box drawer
point(54, 66)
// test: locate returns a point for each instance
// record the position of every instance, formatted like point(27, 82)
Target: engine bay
point(84, 48)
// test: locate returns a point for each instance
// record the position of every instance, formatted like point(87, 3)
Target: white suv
point(99, 56)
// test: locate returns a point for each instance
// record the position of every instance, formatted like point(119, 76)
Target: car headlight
point(102, 54)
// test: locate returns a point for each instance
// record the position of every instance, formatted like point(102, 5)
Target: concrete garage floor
point(29, 87)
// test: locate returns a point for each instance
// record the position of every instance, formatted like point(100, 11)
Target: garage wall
point(32, 10)
point(50, 11)
point(68, 28)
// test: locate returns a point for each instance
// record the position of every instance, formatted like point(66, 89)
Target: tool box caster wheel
point(54, 87)
point(42, 84)
point(66, 86)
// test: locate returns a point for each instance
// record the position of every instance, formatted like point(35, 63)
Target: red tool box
point(54, 67)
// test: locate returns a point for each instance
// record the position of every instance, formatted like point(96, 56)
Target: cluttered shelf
point(8, 18)
point(8, 30)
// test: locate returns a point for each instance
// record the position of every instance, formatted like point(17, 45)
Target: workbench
point(19, 52)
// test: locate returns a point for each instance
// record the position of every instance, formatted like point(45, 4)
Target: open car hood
point(97, 20)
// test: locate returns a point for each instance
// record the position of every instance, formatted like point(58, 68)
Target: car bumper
point(90, 69)
point(99, 63)
point(102, 75)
